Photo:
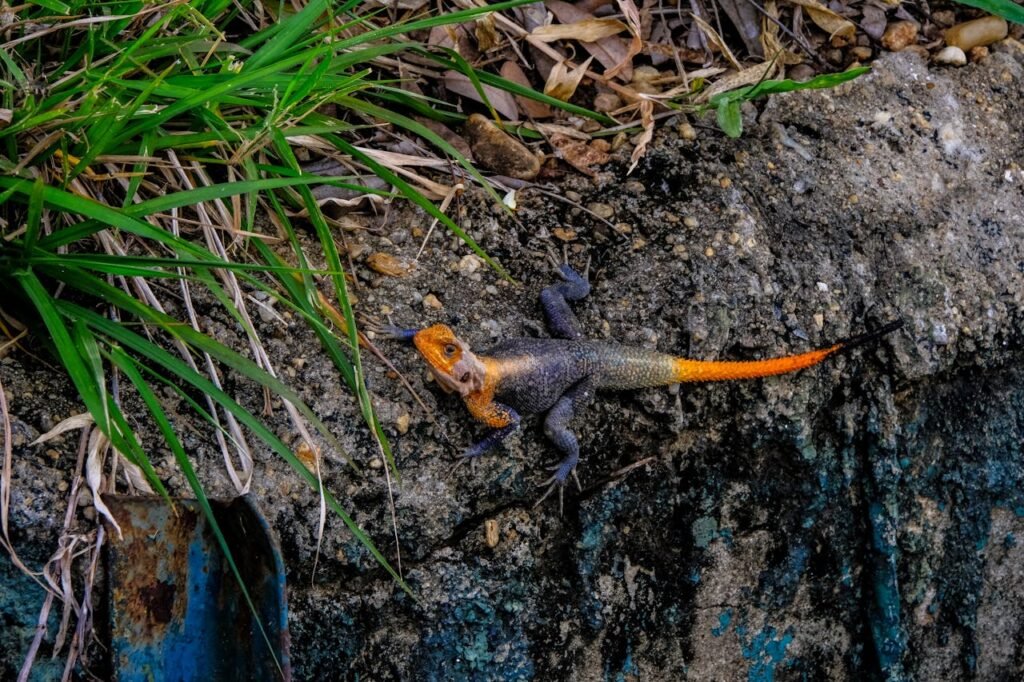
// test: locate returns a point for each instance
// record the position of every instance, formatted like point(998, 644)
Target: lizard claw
point(555, 261)
point(558, 480)
point(552, 483)
point(467, 456)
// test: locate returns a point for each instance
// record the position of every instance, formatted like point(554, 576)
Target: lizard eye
point(449, 349)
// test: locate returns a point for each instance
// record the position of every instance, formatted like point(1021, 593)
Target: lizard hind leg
point(556, 428)
point(555, 299)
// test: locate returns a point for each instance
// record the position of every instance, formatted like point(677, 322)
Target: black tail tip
point(873, 335)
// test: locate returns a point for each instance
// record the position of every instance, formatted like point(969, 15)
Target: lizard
point(560, 375)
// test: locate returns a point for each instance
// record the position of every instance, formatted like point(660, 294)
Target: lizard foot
point(558, 480)
point(470, 456)
point(562, 267)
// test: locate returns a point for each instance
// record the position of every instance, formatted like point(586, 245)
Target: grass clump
point(142, 145)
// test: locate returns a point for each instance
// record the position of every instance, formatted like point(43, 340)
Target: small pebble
point(939, 334)
point(861, 53)
point(432, 301)
point(984, 31)
point(497, 150)
point(690, 222)
point(387, 264)
point(491, 534)
point(951, 56)
point(601, 210)
point(469, 264)
point(642, 74)
point(899, 35)
point(402, 423)
point(977, 53)
point(819, 320)
point(564, 234)
point(607, 101)
point(376, 463)
point(709, 252)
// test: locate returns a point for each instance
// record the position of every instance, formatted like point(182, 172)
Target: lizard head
point(454, 366)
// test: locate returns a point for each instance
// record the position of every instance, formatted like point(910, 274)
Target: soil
point(858, 520)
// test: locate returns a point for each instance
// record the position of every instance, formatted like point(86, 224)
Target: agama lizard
point(560, 375)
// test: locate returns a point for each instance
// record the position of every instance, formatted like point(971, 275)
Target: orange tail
point(696, 370)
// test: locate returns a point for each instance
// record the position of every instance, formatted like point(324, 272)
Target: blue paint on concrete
point(765, 651)
point(886, 629)
point(629, 669)
point(724, 618)
point(704, 530)
point(477, 637)
point(599, 527)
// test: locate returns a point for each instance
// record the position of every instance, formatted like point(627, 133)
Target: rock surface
point(859, 520)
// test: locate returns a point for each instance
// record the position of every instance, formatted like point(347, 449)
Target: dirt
point(857, 520)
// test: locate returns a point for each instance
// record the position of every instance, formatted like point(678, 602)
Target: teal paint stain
point(704, 530)
point(724, 618)
point(765, 651)
point(886, 629)
point(629, 669)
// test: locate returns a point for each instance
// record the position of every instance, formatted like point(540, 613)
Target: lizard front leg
point(502, 419)
point(556, 428)
point(562, 321)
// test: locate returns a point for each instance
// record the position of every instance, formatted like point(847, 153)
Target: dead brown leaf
point(503, 102)
point(610, 51)
point(647, 118)
point(585, 30)
point(747, 76)
point(487, 37)
point(307, 455)
point(716, 39)
point(562, 82)
point(510, 70)
point(636, 45)
point(826, 19)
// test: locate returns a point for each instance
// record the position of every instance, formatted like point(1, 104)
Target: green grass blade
point(288, 31)
point(1007, 9)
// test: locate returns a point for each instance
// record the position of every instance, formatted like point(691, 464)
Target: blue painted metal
point(176, 610)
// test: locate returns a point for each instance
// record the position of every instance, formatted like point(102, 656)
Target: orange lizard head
point(454, 366)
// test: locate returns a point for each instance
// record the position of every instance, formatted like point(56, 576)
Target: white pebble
point(951, 56)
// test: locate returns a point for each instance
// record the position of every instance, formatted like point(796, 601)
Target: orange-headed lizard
point(560, 375)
